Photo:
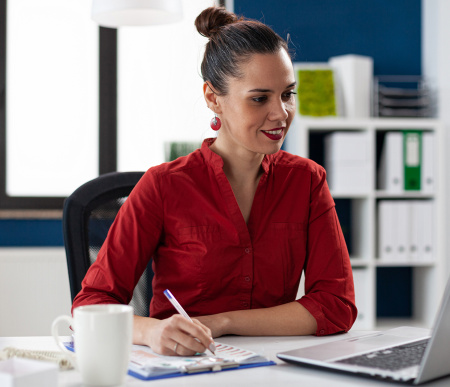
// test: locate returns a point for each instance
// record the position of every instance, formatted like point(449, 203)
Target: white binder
point(386, 230)
point(391, 174)
point(415, 228)
point(428, 154)
point(360, 283)
point(426, 238)
point(402, 225)
point(347, 162)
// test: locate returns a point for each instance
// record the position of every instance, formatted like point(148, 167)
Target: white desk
point(282, 374)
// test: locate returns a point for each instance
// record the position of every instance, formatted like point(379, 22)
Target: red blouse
point(184, 215)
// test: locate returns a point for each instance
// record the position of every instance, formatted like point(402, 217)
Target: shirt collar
point(216, 161)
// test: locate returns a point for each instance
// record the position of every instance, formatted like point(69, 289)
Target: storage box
point(354, 74)
point(17, 372)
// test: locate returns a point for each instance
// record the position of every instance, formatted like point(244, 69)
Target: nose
point(279, 111)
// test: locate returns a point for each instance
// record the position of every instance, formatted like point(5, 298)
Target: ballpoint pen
point(180, 310)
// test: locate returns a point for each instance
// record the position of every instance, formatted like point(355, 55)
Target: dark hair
point(232, 41)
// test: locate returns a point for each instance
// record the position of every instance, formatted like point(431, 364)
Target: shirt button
point(322, 331)
point(247, 250)
point(245, 304)
point(247, 279)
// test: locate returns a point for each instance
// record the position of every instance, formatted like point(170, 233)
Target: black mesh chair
point(87, 216)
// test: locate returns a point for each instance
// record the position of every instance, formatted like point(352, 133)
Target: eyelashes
point(285, 97)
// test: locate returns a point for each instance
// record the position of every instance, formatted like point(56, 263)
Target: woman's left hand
point(217, 323)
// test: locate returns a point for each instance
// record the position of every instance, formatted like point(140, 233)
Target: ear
point(211, 98)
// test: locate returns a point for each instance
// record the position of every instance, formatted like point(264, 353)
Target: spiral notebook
point(148, 365)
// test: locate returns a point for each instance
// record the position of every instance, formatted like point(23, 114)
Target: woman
point(232, 226)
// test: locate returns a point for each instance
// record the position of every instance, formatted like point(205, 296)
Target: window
point(55, 106)
point(51, 111)
point(160, 97)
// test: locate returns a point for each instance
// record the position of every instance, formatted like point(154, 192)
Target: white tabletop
point(281, 374)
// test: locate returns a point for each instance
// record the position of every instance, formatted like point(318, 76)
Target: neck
point(240, 165)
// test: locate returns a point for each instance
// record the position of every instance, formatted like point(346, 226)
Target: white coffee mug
point(102, 341)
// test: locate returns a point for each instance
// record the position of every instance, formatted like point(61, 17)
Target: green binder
point(412, 159)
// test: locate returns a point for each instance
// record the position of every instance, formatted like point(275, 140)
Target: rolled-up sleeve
point(329, 291)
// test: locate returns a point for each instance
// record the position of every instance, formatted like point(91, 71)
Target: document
point(145, 364)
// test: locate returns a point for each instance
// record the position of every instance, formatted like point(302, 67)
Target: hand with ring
point(174, 336)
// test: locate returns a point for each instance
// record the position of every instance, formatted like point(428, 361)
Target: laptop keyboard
point(392, 359)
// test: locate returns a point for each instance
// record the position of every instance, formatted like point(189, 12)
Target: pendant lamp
point(120, 13)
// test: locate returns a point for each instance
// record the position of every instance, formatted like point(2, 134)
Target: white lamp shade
point(119, 13)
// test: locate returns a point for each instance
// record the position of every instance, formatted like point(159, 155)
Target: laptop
point(404, 354)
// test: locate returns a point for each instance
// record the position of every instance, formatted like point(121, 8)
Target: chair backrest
point(87, 216)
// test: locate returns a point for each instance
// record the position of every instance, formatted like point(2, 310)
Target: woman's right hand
point(172, 336)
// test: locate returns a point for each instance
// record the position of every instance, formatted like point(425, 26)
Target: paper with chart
point(147, 363)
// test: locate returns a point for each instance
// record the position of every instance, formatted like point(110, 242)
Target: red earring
point(215, 123)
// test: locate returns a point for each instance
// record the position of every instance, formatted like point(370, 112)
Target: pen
point(180, 310)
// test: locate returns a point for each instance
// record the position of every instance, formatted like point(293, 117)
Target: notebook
point(404, 354)
point(148, 365)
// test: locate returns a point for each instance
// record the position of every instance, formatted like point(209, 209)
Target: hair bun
point(212, 19)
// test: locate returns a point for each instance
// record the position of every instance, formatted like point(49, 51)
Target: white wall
point(34, 289)
point(435, 67)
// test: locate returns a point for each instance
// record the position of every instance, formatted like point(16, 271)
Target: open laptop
point(402, 354)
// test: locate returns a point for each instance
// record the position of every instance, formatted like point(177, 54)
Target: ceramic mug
point(102, 341)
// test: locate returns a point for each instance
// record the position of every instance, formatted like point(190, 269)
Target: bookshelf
point(388, 293)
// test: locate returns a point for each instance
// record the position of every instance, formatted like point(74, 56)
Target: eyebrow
point(268, 90)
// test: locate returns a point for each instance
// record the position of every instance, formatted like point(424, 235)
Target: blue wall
point(39, 232)
point(387, 30)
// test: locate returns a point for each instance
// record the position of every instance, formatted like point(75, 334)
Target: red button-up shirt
point(184, 215)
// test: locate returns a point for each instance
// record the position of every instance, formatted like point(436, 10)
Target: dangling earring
point(215, 123)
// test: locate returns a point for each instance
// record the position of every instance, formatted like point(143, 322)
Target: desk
point(282, 374)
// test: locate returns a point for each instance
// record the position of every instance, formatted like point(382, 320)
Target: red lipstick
point(274, 134)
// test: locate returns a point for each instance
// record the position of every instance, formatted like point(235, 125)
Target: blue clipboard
point(70, 347)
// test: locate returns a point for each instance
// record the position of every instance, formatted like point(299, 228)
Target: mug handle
point(69, 354)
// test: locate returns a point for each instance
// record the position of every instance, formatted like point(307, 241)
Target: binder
point(360, 281)
point(390, 174)
point(426, 237)
point(386, 230)
point(402, 226)
point(412, 157)
point(416, 225)
point(347, 162)
point(427, 172)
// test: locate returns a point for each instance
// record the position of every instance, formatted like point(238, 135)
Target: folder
point(426, 237)
point(428, 166)
point(386, 230)
point(348, 162)
point(415, 229)
point(390, 173)
point(402, 226)
point(360, 284)
point(412, 157)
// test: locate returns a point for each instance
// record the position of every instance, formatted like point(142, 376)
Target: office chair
point(87, 216)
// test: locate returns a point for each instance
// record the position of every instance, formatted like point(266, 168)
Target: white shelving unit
point(428, 278)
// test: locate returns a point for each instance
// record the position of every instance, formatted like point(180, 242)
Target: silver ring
point(175, 348)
